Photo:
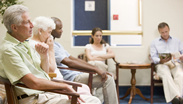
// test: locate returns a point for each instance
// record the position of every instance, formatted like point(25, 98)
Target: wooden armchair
point(153, 81)
point(90, 79)
point(83, 57)
point(12, 98)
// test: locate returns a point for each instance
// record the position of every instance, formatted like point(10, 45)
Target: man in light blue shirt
point(173, 86)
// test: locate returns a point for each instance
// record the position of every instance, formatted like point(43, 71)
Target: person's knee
point(178, 76)
point(110, 79)
point(163, 70)
point(90, 99)
point(97, 101)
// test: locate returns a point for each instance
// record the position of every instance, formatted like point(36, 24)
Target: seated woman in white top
point(98, 50)
point(43, 27)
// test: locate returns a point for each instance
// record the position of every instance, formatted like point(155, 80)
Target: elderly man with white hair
point(20, 64)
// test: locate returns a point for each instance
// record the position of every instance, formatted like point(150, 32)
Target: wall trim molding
point(106, 32)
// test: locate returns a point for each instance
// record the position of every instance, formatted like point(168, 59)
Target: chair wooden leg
point(152, 83)
point(117, 89)
point(74, 100)
point(152, 92)
point(10, 94)
point(90, 81)
point(117, 80)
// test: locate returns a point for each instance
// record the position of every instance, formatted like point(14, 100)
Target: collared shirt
point(60, 54)
point(16, 60)
point(161, 46)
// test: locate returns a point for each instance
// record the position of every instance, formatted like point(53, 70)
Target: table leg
point(140, 94)
point(133, 90)
point(133, 82)
point(126, 94)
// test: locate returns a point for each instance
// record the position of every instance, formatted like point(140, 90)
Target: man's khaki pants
point(53, 98)
point(172, 80)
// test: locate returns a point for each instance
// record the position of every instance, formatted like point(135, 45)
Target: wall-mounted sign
point(89, 5)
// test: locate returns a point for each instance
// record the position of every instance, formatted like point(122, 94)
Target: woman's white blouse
point(96, 52)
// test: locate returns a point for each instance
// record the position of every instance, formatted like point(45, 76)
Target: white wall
point(153, 12)
point(57, 8)
point(128, 21)
point(128, 15)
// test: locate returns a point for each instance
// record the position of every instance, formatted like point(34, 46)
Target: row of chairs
point(11, 96)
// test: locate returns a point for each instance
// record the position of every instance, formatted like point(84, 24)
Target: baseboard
point(158, 90)
point(157, 84)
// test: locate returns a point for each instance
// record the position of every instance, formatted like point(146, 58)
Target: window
point(126, 31)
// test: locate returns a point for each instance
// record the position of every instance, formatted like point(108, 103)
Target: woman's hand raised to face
point(50, 42)
point(42, 48)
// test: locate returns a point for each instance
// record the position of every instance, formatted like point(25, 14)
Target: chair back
point(83, 57)
point(10, 93)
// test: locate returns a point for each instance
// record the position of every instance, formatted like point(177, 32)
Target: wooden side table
point(133, 90)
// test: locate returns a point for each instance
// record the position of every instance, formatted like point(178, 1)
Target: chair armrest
point(67, 82)
point(115, 61)
point(52, 90)
point(153, 67)
point(52, 75)
point(6, 81)
point(86, 71)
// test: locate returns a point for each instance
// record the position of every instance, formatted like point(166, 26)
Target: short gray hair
point(162, 25)
point(43, 23)
point(13, 15)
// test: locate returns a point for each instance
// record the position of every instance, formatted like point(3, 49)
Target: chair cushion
point(2, 94)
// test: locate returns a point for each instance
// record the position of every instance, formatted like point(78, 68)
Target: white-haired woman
point(43, 27)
